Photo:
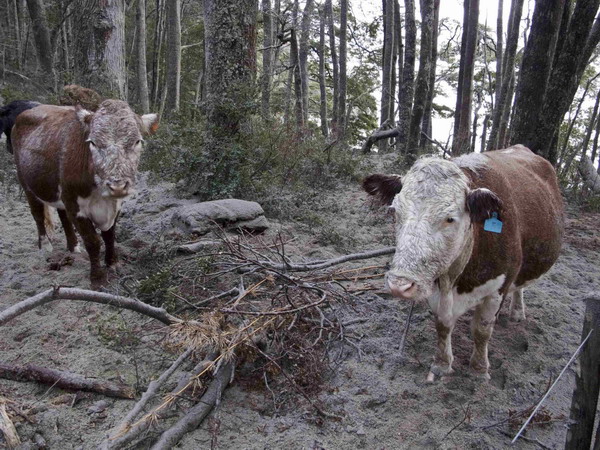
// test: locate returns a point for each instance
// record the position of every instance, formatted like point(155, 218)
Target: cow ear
point(149, 123)
point(481, 203)
point(383, 187)
point(84, 116)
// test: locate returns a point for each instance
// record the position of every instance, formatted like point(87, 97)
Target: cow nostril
point(401, 287)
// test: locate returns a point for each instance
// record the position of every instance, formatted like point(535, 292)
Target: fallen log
point(589, 175)
point(65, 380)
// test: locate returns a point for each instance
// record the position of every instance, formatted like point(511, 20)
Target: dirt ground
point(384, 400)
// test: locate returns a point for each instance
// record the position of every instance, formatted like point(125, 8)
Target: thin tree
point(267, 54)
point(322, 78)
point(422, 83)
point(173, 79)
point(387, 64)
point(142, 78)
point(462, 113)
point(303, 47)
point(41, 34)
point(406, 90)
point(427, 114)
point(343, 63)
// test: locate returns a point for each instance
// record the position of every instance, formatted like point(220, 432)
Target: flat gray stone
point(229, 214)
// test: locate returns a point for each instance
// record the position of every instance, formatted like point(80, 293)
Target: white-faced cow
point(84, 164)
point(469, 232)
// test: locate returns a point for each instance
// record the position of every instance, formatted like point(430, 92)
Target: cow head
point(433, 208)
point(115, 138)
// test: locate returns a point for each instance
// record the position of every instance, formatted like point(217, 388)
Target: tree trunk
point(142, 79)
point(406, 90)
point(565, 77)
point(590, 128)
point(342, 119)
point(386, 65)
point(295, 65)
point(267, 59)
point(422, 83)
point(100, 48)
point(535, 70)
point(504, 101)
point(334, 66)
point(322, 86)
point(41, 34)
point(462, 114)
point(427, 115)
point(499, 49)
point(303, 47)
point(157, 50)
point(173, 55)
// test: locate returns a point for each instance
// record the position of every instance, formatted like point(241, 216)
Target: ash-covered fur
point(8, 116)
point(444, 255)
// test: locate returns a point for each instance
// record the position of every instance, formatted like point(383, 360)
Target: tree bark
point(142, 78)
point(590, 128)
point(295, 65)
point(100, 48)
point(499, 49)
point(427, 115)
point(504, 101)
point(41, 34)
point(267, 54)
point(564, 78)
point(334, 66)
point(535, 71)
point(303, 47)
point(406, 90)
point(322, 86)
point(157, 50)
point(173, 61)
point(462, 113)
point(342, 119)
point(386, 66)
point(422, 83)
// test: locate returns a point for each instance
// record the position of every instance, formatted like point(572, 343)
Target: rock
point(196, 247)
point(97, 407)
point(40, 441)
point(229, 213)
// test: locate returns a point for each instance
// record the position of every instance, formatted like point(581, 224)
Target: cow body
point(82, 163)
point(445, 256)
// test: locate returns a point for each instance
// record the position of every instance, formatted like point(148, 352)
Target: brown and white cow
point(84, 164)
point(445, 255)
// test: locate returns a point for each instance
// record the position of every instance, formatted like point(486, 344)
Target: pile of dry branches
point(250, 304)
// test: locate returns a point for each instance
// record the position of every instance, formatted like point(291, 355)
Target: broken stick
point(8, 428)
point(64, 380)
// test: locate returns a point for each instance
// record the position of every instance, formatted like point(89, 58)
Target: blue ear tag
point(494, 225)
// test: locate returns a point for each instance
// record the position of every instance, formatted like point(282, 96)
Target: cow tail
point(48, 221)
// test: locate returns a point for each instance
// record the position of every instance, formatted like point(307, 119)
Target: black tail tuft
point(8, 116)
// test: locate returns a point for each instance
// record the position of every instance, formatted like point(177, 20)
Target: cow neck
point(77, 165)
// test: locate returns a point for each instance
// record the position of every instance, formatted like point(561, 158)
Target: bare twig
point(406, 327)
point(64, 380)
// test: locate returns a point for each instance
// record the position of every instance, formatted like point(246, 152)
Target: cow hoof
point(439, 372)
point(76, 249)
point(517, 316)
point(98, 279)
point(45, 244)
point(483, 376)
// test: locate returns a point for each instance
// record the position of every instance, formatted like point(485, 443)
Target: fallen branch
point(129, 434)
point(64, 380)
point(8, 428)
point(192, 419)
point(153, 388)
point(60, 293)
point(306, 267)
point(378, 135)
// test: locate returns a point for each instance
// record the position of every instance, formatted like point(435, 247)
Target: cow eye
point(89, 141)
point(450, 220)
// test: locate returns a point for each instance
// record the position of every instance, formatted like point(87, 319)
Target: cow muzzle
point(118, 188)
point(401, 287)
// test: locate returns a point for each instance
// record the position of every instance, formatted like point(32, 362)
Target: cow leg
point(110, 256)
point(38, 213)
point(72, 243)
point(517, 306)
point(442, 364)
point(482, 327)
point(91, 241)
